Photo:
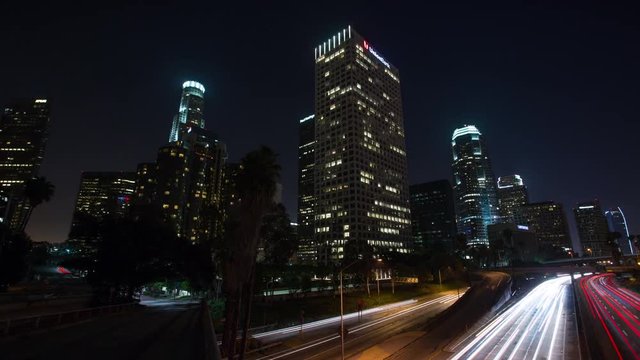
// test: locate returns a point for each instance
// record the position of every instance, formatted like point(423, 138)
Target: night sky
point(555, 88)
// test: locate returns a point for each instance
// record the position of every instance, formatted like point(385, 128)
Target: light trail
point(528, 330)
point(438, 301)
point(617, 310)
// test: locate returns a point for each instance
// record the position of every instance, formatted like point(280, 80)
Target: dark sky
point(553, 87)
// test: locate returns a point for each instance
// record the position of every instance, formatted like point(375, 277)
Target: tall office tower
point(146, 177)
point(229, 189)
point(101, 195)
point(203, 208)
point(512, 194)
point(592, 228)
point(618, 223)
point(171, 185)
point(191, 109)
point(361, 190)
point(307, 250)
point(189, 172)
point(24, 128)
point(547, 220)
point(474, 185)
point(432, 215)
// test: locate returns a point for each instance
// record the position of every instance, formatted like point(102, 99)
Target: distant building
point(24, 129)
point(230, 194)
point(146, 183)
point(185, 184)
point(548, 221)
point(592, 228)
point(474, 185)
point(432, 216)
point(618, 223)
point(512, 194)
point(307, 250)
point(361, 190)
point(515, 241)
point(191, 110)
point(101, 195)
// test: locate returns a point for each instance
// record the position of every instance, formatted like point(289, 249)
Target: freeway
point(324, 343)
point(539, 326)
point(616, 310)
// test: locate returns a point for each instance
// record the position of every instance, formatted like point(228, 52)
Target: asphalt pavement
point(163, 330)
point(616, 311)
point(541, 325)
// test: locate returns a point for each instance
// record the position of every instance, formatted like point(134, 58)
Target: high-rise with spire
point(191, 110)
point(474, 185)
point(188, 173)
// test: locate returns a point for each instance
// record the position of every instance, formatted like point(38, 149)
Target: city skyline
point(512, 149)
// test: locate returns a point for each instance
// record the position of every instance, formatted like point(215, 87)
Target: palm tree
point(256, 186)
point(36, 191)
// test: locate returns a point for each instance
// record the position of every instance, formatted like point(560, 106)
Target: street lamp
point(342, 308)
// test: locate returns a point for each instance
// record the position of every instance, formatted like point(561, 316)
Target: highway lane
point(539, 326)
point(164, 331)
point(363, 335)
point(617, 310)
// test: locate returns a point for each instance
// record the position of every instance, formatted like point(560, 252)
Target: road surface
point(374, 328)
point(615, 310)
point(162, 330)
point(539, 326)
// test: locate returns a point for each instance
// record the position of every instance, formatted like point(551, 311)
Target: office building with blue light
point(474, 185)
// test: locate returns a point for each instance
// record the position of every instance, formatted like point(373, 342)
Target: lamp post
point(342, 308)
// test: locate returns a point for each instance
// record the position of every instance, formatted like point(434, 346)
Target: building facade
point(474, 185)
point(185, 184)
point(361, 191)
point(512, 194)
point(432, 213)
point(191, 110)
point(101, 195)
point(307, 251)
point(512, 243)
point(618, 223)
point(592, 228)
point(547, 220)
point(24, 129)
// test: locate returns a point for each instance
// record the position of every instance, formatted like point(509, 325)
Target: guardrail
point(34, 322)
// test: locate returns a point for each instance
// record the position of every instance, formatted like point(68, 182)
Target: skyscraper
point(547, 220)
point(592, 228)
point(432, 215)
point(512, 194)
point(474, 185)
point(618, 223)
point(361, 189)
point(101, 195)
point(187, 188)
point(24, 129)
point(307, 251)
point(191, 110)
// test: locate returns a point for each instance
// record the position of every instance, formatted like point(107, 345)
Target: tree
point(256, 186)
point(36, 191)
point(277, 236)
